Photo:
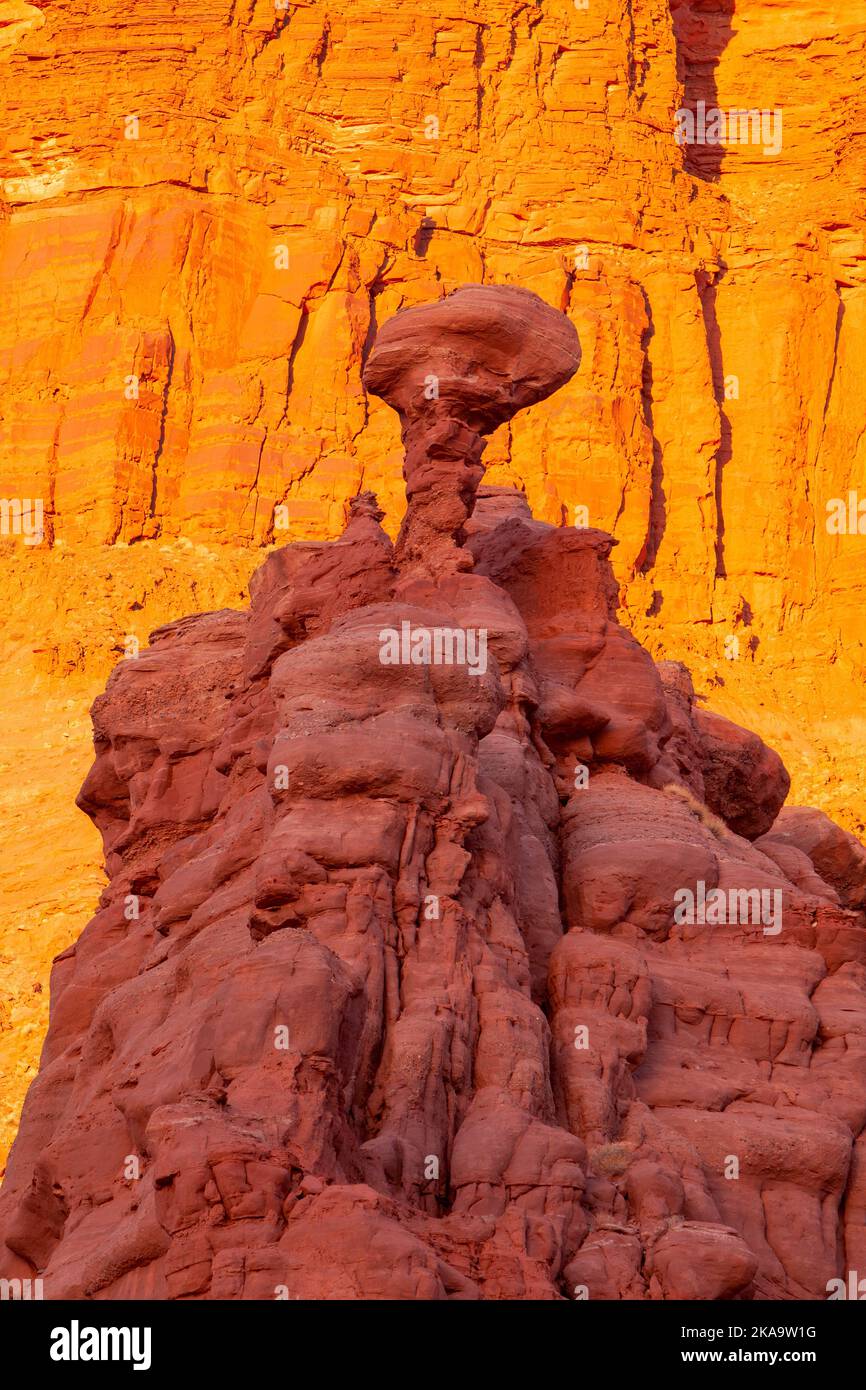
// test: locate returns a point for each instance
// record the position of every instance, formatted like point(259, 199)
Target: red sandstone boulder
point(493, 350)
point(745, 782)
point(600, 698)
point(835, 854)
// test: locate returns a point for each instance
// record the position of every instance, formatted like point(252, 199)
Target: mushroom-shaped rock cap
point(479, 355)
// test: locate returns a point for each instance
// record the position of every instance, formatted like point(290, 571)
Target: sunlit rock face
point(259, 188)
point(450, 950)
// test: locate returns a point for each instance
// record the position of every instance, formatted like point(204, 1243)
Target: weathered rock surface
point(454, 371)
point(390, 994)
point(836, 855)
point(207, 209)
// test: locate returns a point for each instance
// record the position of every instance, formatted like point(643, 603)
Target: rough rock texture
point(71, 619)
point(387, 996)
point(837, 856)
point(706, 431)
point(455, 370)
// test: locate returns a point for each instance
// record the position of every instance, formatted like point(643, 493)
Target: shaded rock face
point(430, 978)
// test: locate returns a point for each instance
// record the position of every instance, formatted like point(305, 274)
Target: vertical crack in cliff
point(163, 418)
point(707, 286)
point(702, 32)
point(657, 514)
point(478, 62)
point(811, 483)
point(323, 44)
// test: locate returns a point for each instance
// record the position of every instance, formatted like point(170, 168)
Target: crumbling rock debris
point(387, 995)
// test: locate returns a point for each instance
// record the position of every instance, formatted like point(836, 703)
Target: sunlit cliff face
point(206, 216)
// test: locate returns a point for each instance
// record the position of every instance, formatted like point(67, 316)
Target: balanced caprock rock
point(454, 371)
point(449, 950)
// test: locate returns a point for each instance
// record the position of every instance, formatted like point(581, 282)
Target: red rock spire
point(455, 370)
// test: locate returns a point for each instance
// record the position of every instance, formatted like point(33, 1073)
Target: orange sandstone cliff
point(207, 211)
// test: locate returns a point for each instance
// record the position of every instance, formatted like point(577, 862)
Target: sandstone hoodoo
point(454, 371)
point(388, 995)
